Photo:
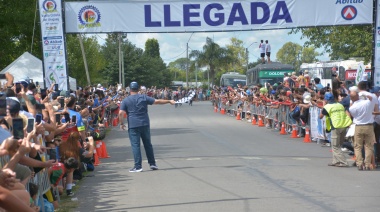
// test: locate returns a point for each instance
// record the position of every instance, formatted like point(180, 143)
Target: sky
point(173, 45)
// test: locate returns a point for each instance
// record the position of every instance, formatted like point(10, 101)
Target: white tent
point(28, 66)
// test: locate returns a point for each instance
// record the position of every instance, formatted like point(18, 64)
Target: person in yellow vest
point(337, 121)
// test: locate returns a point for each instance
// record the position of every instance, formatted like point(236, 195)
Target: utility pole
point(84, 59)
point(246, 52)
point(120, 58)
point(187, 65)
point(196, 75)
point(122, 69)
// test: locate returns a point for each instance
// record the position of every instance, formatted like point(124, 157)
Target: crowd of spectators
point(47, 140)
point(296, 94)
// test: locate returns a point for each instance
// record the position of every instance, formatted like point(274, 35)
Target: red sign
point(351, 74)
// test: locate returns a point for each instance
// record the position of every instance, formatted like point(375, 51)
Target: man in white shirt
point(361, 110)
point(262, 48)
point(267, 50)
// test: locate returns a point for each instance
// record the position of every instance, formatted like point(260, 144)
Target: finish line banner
point(201, 16)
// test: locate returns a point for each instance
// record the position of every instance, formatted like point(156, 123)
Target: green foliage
point(238, 56)
point(16, 30)
point(95, 59)
point(341, 42)
point(144, 67)
point(213, 56)
point(152, 48)
point(294, 54)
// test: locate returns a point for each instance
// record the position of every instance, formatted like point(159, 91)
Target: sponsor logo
point(89, 17)
point(50, 54)
point(49, 6)
point(59, 68)
point(348, 1)
point(349, 12)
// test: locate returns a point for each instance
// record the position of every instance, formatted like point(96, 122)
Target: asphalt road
point(210, 162)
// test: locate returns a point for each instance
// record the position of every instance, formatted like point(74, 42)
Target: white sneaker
point(136, 170)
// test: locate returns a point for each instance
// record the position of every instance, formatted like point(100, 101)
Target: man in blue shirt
point(136, 108)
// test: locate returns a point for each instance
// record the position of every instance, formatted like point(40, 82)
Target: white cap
point(99, 85)
point(354, 89)
point(307, 99)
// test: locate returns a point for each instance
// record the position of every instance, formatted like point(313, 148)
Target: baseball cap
point(99, 85)
point(24, 83)
point(13, 104)
point(329, 97)
point(307, 99)
point(134, 86)
point(65, 94)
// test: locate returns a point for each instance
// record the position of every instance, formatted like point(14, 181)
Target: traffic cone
point(261, 123)
point(283, 129)
point(294, 132)
point(215, 109)
point(99, 149)
point(106, 123)
point(115, 121)
point(238, 116)
point(223, 111)
point(307, 136)
point(254, 120)
point(104, 150)
point(96, 158)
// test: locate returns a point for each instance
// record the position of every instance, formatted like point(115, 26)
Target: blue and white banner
point(53, 43)
point(377, 48)
point(200, 16)
point(317, 125)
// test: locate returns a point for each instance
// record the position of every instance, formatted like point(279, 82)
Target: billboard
point(202, 16)
point(53, 43)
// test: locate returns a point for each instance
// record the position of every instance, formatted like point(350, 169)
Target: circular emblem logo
point(349, 12)
point(89, 15)
point(49, 5)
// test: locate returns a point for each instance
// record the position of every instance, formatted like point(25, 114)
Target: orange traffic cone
point(283, 129)
point(238, 116)
point(254, 120)
point(215, 109)
point(261, 123)
point(106, 123)
point(104, 150)
point(96, 158)
point(99, 149)
point(307, 136)
point(115, 121)
point(223, 111)
point(294, 132)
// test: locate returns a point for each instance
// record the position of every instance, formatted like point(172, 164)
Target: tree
point(95, 59)
point(294, 54)
point(17, 28)
point(177, 69)
point(238, 56)
point(341, 42)
point(213, 56)
point(152, 48)
point(290, 53)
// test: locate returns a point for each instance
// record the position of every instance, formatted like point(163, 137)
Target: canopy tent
point(28, 66)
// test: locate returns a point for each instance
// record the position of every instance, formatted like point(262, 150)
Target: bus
point(268, 73)
point(345, 70)
point(233, 79)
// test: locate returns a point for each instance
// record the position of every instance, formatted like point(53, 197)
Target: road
point(212, 162)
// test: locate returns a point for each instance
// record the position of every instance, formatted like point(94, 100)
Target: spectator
point(336, 121)
point(361, 110)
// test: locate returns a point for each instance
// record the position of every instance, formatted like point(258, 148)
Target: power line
point(175, 56)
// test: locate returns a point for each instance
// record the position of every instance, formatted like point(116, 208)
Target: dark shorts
point(262, 55)
point(268, 54)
